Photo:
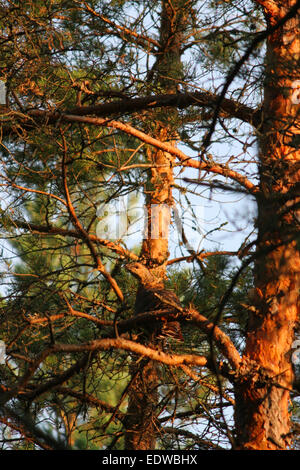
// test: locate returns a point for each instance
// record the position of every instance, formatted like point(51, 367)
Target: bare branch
point(50, 229)
point(132, 346)
point(99, 265)
point(229, 107)
point(166, 147)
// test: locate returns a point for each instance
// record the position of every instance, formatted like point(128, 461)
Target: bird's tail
point(171, 330)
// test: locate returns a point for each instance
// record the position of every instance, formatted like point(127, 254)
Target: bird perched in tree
point(150, 297)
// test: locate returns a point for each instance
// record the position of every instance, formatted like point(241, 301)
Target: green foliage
point(204, 287)
point(59, 57)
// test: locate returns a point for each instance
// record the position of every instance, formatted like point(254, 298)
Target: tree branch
point(123, 31)
point(236, 68)
point(210, 167)
point(190, 314)
point(58, 379)
point(31, 429)
point(99, 265)
point(132, 346)
point(223, 342)
point(52, 230)
point(230, 108)
point(91, 401)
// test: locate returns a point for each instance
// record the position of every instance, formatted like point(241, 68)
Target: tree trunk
point(262, 391)
point(142, 424)
point(143, 396)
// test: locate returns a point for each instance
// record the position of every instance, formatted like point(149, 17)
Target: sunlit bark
point(262, 394)
point(143, 398)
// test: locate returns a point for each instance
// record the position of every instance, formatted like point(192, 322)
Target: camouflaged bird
point(150, 298)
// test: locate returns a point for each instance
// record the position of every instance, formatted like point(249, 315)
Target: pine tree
point(170, 102)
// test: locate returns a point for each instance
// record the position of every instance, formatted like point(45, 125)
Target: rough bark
point(262, 392)
point(140, 420)
point(142, 424)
